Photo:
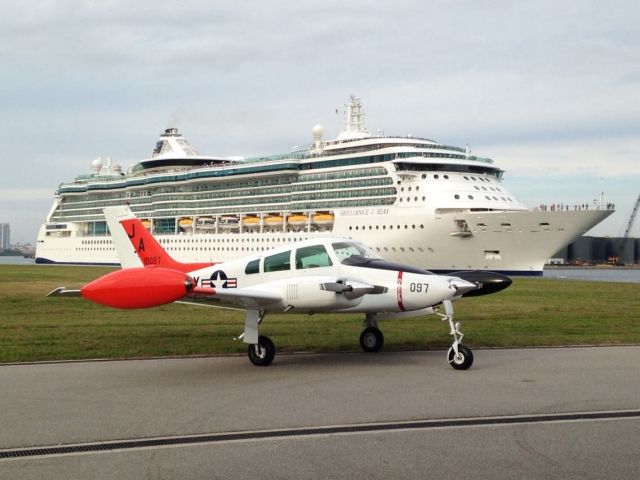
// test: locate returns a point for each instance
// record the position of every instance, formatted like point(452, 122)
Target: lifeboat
point(297, 219)
point(251, 221)
point(146, 223)
point(273, 220)
point(323, 218)
point(185, 222)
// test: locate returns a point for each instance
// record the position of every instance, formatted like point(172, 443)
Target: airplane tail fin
point(135, 245)
point(124, 249)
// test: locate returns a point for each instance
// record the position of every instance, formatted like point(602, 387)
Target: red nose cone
point(138, 288)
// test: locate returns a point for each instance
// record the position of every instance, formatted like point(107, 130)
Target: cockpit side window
point(277, 262)
point(312, 257)
point(252, 267)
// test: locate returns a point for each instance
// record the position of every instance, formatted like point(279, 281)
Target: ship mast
point(354, 120)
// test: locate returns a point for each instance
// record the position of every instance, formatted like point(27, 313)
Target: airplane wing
point(245, 298)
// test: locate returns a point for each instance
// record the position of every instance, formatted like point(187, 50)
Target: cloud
point(597, 157)
point(536, 85)
point(17, 195)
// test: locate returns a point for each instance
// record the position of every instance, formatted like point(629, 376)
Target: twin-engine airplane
point(320, 275)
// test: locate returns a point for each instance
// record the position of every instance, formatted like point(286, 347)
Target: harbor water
point(16, 261)
point(603, 274)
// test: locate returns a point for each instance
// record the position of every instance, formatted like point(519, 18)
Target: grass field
point(530, 312)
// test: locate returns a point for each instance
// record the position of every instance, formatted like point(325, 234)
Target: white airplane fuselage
point(300, 288)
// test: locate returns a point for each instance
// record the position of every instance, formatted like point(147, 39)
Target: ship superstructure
point(411, 199)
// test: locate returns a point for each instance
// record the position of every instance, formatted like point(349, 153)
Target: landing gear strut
point(371, 338)
point(261, 349)
point(459, 356)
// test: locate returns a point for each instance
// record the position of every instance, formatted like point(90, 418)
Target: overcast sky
point(549, 89)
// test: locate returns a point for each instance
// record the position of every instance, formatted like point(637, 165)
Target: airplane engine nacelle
point(138, 288)
point(416, 291)
point(306, 294)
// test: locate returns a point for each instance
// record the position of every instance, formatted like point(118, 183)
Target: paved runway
point(373, 395)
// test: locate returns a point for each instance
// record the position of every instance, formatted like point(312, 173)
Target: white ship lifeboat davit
point(205, 223)
point(229, 221)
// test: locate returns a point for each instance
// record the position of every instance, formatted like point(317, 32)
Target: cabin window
point(277, 262)
point(252, 267)
point(312, 257)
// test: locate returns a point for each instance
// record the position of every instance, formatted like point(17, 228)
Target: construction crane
point(632, 218)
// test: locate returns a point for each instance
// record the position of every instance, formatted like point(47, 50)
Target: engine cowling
point(138, 288)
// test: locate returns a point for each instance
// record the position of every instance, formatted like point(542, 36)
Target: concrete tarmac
point(86, 402)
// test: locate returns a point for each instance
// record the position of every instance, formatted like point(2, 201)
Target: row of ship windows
point(346, 187)
point(482, 179)
point(408, 199)
point(384, 227)
point(347, 191)
point(133, 195)
point(471, 197)
point(266, 182)
point(168, 241)
point(241, 249)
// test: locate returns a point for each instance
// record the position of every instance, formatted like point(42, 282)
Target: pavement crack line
point(223, 437)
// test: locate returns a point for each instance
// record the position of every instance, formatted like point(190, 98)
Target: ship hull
point(510, 242)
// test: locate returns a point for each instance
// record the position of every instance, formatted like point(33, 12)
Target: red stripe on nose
point(399, 295)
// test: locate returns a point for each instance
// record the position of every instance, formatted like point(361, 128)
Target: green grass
point(531, 312)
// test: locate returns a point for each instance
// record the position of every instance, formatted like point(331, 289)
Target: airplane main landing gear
point(371, 338)
point(263, 352)
point(459, 356)
point(261, 349)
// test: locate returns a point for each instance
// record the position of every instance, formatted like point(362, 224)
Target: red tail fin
point(150, 252)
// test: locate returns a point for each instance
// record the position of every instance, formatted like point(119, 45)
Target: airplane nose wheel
point(371, 339)
point(462, 359)
point(459, 356)
point(262, 353)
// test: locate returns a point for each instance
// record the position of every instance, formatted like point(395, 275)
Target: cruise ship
point(413, 200)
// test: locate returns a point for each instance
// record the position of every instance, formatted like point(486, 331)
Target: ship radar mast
point(354, 121)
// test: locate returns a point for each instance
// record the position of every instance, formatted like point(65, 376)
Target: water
point(631, 275)
point(16, 261)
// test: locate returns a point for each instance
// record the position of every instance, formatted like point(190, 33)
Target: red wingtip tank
point(139, 288)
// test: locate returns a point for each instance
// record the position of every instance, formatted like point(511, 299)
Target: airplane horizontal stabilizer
point(63, 292)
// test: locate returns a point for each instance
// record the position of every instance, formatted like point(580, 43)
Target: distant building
point(5, 236)
point(600, 250)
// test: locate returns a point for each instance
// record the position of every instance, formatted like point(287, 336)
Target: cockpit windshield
point(351, 252)
point(358, 255)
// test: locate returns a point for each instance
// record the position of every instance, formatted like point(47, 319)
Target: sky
point(549, 89)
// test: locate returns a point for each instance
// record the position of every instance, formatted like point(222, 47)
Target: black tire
point(371, 339)
point(463, 360)
point(263, 353)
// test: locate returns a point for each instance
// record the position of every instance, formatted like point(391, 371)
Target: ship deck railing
point(564, 207)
